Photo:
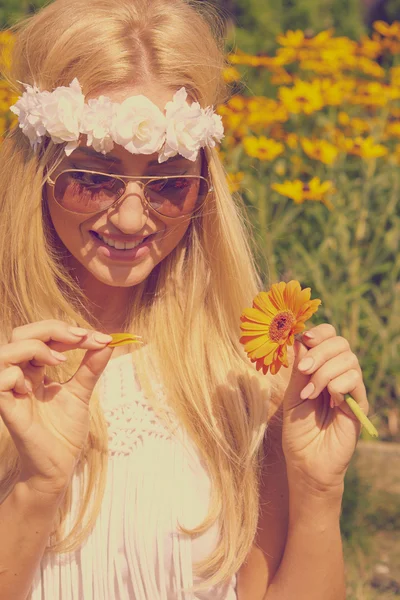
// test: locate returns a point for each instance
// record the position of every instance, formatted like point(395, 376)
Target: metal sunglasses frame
point(140, 180)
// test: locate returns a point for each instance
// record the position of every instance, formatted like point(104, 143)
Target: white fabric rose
point(187, 127)
point(62, 115)
point(139, 126)
point(30, 114)
point(215, 132)
point(96, 124)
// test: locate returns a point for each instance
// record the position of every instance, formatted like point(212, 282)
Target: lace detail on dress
point(129, 416)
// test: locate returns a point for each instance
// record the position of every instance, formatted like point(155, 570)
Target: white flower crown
point(137, 124)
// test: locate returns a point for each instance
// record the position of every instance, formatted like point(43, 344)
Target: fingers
point(13, 379)
point(329, 370)
point(83, 382)
point(59, 336)
point(317, 334)
point(35, 345)
point(324, 351)
point(16, 353)
point(348, 383)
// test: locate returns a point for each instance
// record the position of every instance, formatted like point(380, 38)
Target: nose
point(130, 213)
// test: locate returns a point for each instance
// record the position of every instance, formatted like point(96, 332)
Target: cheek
point(175, 233)
point(64, 224)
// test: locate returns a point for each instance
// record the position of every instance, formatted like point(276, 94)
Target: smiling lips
point(120, 242)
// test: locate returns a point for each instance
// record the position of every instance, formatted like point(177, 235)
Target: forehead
point(155, 92)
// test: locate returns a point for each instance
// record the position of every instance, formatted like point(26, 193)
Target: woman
point(170, 470)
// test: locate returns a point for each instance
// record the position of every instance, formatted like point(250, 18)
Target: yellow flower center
point(281, 325)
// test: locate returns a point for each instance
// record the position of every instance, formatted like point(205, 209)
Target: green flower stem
point(354, 407)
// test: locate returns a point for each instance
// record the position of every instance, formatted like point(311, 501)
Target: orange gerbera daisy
point(273, 321)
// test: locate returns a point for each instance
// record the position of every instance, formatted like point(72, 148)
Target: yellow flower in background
point(370, 67)
point(262, 148)
point(292, 39)
point(364, 147)
point(355, 125)
point(370, 48)
point(273, 321)
point(299, 191)
point(281, 77)
point(303, 97)
point(231, 74)
point(263, 112)
point(392, 31)
point(235, 181)
point(6, 46)
point(394, 73)
point(237, 103)
point(298, 39)
point(393, 128)
point(334, 93)
point(3, 126)
point(292, 140)
point(320, 150)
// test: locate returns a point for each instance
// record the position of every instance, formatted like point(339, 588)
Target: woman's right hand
point(48, 453)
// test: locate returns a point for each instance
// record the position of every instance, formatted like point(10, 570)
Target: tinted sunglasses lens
point(87, 192)
point(176, 196)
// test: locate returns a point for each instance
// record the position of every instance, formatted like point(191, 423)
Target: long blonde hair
point(190, 305)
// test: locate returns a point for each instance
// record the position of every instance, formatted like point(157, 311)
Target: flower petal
point(263, 302)
point(255, 343)
point(267, 349)
point(256, 315)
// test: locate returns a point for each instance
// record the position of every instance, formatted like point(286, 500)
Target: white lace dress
point(135, 551)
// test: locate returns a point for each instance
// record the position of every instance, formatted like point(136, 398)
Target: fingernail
point(102, 338)
point(28, 385)
point(58, 355)
point(78, 331)
point(306, 364)
point(309, 335)
point(307, 391)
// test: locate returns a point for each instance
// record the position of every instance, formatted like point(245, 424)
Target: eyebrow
point(113, 159)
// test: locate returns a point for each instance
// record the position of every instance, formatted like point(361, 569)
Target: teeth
point(119, 245)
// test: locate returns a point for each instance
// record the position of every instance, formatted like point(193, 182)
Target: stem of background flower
point(265, 223)
point(381, 226)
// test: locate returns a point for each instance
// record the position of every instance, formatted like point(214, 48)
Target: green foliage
point(259, 22)
point(12, 10)
point(356, 502)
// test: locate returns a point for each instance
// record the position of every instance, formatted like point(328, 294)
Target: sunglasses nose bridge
point(127, 180)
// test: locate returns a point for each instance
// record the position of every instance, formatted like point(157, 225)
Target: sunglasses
point(87, 192)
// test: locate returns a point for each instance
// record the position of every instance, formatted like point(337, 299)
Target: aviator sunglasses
point(84, 191)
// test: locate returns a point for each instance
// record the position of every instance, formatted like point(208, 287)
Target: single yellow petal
point(264, 350)
point(263, 302)
point(276, 295)
point(251, 326)
point(256, 315)
point(255, 343)
point(123, 339)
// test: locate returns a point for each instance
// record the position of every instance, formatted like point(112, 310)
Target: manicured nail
point(78, 331)
point(307, 391)
point(102, 338)
point(309, 335)
point(58, 355)
point(306, 364)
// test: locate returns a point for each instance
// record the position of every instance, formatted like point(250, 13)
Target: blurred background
point(313, 146)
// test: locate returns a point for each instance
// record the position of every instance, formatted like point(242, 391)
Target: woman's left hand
point(319, 441)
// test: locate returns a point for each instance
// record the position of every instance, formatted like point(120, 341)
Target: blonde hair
point(189, 307)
